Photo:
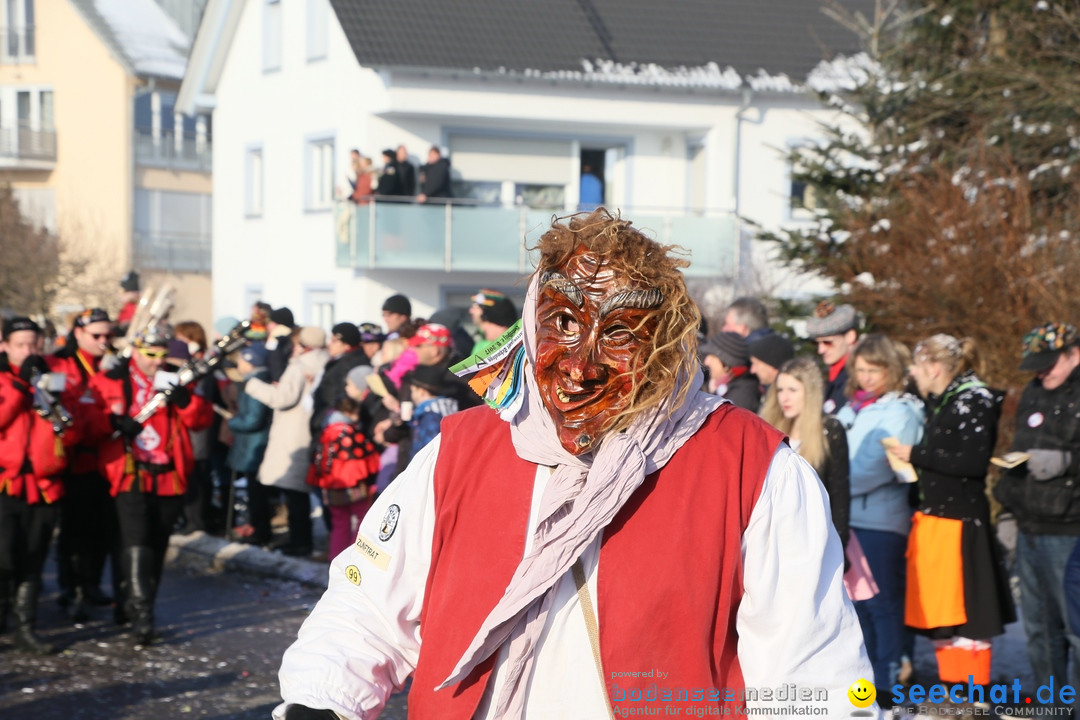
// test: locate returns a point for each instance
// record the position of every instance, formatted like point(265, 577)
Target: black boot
point(77, 609)
point(139, 571)
point(26, 598)
point(5, 600)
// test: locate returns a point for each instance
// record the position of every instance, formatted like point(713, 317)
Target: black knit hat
point(501, 312)
point(15, 324)
point(730, 347)
point(347, 333)
point(772, 349)
point(398, 304)
point(283, 316)
point(430, 377)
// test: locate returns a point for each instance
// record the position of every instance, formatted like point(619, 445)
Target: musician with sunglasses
point(88, 528)
point(147, 465)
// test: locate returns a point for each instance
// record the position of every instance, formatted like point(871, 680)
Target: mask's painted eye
point(567, 324)
point(618, 335)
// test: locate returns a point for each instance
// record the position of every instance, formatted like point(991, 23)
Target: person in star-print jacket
point(147, 466)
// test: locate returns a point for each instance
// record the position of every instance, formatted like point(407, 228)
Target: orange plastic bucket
point(955, 664)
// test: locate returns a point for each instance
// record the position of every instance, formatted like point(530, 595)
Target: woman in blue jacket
point(880, 408)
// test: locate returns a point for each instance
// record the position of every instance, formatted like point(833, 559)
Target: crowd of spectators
point(903, 440)
point(311, 425)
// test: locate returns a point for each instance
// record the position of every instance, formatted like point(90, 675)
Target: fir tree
point(945, 198)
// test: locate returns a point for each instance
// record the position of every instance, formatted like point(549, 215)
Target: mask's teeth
point(561, 395)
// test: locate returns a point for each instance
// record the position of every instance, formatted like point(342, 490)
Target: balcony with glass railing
point(470, 237)
point(172, 252)
point(184, 151)
point(22, 147)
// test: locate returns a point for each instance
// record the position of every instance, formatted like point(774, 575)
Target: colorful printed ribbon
point(497, 372)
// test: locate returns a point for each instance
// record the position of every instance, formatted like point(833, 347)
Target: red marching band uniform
point(147, 469)
point(32, 458)
point(78, 369)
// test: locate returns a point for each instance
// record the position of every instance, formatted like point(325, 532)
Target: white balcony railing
point(464, 237)
point(189, 151)
point(26, 144)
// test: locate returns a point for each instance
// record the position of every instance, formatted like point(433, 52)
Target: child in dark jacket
point(250, 427)
point(345, 467)
point(430, 404)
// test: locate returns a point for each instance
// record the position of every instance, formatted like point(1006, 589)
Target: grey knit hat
point(832, 319)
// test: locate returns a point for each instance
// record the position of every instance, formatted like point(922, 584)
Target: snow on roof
point(148, 38)
point(840, 74)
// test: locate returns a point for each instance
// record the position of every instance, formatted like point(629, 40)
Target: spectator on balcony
point(406, 171)
point(362, 180)
point(389, 186)
point(591, 190)
point(435, 177)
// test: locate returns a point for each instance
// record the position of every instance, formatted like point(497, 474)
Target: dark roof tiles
point(780, 36)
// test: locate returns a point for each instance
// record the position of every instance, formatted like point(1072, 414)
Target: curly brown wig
point(665, 368)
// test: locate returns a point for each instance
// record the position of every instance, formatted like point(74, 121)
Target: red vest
point(670, 573)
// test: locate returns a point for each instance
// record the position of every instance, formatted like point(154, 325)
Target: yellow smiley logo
point(862, 693)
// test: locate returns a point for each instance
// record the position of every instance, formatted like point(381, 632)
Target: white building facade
point(686, 154)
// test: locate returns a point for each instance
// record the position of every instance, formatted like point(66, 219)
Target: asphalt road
point(222, 637)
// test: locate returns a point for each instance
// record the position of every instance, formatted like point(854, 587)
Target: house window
point(802, 197)
point(317, 24)
point(320, 174)
point(540, 196)
point(18, 24)
point(46, 110)
point(319, 307)
point(253, 175)
point(272, 37)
